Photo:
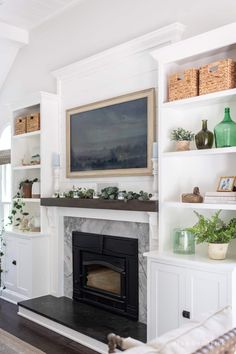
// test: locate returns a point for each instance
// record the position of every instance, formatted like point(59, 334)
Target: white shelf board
point(24, 234)
point(190, 260)
point(214, 151)
point(27, 135)
point(29, 200)
point(29, 167)
point(200, 206)
point(203, 100)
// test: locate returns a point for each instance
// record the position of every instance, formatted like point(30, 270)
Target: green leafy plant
point(180, 134)
point(17, 212)
point(27, 181)
point(213, 229)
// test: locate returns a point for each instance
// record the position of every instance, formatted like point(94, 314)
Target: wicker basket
point(20, 125)
point(183, 86)
point(33, 122)
point(217, 76)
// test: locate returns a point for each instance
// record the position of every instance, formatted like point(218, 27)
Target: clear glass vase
point(183, 242)
point(225, 131)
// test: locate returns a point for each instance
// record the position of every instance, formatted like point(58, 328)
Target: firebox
point(105, 272)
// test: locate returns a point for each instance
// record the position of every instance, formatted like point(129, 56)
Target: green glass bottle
point(204, 139)
point(225, 131)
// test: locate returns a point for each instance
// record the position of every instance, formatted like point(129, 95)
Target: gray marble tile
point(112, 228)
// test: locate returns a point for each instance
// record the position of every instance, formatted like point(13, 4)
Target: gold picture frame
point(149, 94)
point(226, 184)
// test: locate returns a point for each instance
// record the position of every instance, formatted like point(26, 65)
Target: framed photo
point(112, 137)
point(226, 184)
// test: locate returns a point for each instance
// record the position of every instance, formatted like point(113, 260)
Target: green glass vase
point(225, 131)
point(183, 242)
point(204, 139)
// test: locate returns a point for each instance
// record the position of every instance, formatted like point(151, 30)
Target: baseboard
point(12, 297)
point(64, 331)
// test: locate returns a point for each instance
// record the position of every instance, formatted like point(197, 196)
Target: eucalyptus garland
point(108, 193)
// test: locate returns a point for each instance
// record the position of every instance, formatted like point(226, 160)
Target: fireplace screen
point(105, 272)
point(103, 278)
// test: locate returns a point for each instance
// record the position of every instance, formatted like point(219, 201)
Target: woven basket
point(33, 122)
point(183, 86)
point(217, 76)
point(20, 125)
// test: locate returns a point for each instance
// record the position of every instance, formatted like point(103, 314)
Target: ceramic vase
point(182, 145)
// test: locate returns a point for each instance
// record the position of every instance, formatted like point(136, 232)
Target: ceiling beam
point(13, 33)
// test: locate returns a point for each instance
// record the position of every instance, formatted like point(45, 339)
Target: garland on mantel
point(108, 193)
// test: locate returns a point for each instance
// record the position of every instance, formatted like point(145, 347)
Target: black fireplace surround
point(105, 272)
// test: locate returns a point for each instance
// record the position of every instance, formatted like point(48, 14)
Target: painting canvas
point(111, 137)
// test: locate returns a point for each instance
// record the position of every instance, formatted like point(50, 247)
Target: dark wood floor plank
point(36, 335)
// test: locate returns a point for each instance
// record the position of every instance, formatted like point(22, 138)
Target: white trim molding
point(153, 40)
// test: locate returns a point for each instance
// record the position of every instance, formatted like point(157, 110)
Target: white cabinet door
point(166, 297)
point(206, 292)
point(10, 263)
point(24, 267)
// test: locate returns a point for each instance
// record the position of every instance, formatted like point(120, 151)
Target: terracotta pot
point(182, 145)
point(27, 190)
point(217, 250)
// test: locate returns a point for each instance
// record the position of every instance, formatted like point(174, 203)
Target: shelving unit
point(178, 283)
point(43, 142)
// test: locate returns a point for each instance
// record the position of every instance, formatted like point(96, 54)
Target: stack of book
point(220, 197)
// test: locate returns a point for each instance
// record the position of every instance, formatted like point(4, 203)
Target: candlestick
point(155, 179)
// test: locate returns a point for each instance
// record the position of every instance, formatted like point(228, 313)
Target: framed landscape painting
point(112, 137)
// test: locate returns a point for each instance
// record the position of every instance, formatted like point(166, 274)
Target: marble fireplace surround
point(62, 221)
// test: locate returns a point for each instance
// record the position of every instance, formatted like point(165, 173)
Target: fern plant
point(213, 229)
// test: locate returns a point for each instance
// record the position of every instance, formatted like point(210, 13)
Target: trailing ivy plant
point(17, 213)
point(2, 247)
point(213, 229)
point(180, 134)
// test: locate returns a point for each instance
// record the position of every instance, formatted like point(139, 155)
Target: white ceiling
point(31, 13)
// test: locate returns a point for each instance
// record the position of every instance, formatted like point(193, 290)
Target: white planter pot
point(182, 145)
point(217, 250)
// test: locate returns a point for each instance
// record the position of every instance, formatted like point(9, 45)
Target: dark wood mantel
point(131, 205)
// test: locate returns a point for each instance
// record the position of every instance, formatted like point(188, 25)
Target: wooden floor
point(38, 336)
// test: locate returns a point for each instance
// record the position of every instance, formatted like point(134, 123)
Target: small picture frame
point(226, 184)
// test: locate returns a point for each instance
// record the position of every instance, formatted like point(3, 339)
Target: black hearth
point(105, 272)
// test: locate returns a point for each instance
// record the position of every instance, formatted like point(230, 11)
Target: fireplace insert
point(105, 272)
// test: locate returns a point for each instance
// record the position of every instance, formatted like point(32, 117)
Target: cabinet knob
point(14, 262)
point(186, 314)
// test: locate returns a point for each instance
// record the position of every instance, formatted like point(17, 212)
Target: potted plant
point(215, 232)
point(26, 187)
point(182, 138)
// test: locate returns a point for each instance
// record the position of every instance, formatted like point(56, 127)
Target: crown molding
point(153, 40)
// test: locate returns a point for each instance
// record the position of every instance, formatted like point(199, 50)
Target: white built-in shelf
point(24, 234)
point(214, 151)
point(189, 260)
point(27, 135)
point(28, 167)
point(211, 98)
point(29, 200)
point(200, 205)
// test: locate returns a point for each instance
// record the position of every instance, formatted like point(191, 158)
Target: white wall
point(95, 25)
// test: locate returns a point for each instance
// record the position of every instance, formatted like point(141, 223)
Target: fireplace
point(105, 272)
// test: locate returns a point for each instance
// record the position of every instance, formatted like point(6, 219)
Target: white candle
point(55, 160)
point(155, 150)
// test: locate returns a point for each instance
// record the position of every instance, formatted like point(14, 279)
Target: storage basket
point(183, 85)
point(20, 125)
point(33, 122)
point(217, 76)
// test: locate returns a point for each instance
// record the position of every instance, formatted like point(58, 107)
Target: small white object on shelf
point(155, 179)
point(155, 150)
